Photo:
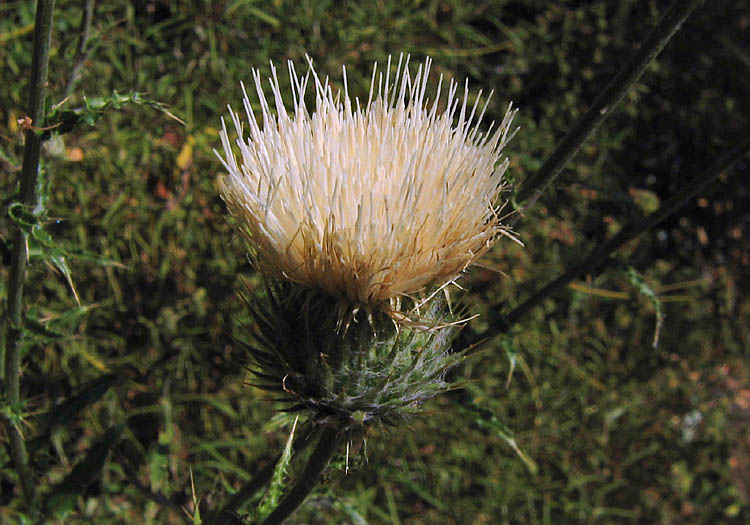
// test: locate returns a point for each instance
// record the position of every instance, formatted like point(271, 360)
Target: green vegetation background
point(594, 426)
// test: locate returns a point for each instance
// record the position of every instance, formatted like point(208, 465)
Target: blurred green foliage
point(595, 425)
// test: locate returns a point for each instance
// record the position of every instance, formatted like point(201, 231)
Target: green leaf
point(42, 244)
point(278, 481)
point(22, 216)
point(14, 413)
point(65, 121)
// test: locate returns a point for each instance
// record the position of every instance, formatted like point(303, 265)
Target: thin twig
point(633, 230)
point(81, 51)
point(29, 196)
point(602, 107)
point(328, 442)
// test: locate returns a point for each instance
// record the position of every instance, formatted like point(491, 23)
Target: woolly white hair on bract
point(367, 204)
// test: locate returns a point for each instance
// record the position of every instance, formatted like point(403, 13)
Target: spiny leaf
point(65, 121)
point(41, 243)
point(278, 481)
point(14, 413)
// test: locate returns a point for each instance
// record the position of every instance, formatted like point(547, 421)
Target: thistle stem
point(633, 230)
point(533, 188)
point(29, 196)
point(328, 442)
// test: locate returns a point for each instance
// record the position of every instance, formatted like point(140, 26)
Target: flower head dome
point(368, 203)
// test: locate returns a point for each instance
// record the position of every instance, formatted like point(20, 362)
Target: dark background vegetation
point(612, 430)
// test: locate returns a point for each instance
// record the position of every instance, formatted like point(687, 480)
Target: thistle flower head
point(368, 202)
point(358, 206)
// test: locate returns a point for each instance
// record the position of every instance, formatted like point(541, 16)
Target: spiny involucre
point(368, 204)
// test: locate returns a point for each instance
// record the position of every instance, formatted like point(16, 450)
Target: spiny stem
point(29, 196)
point(328, 442)
point(633, 230)
point(602, 107)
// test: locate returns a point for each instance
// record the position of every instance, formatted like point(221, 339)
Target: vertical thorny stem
point(29, 197)
point(634, 230)
point(603, 105)
point(533, 188)
point(328, 442)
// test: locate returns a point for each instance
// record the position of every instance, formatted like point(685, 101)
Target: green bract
point(372, 370)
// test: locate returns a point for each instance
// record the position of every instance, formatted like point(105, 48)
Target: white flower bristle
point(371, 203)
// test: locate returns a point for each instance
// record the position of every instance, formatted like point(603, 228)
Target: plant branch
point(328, 442)
point(533, 188)
point(632, 230)
point(81, 52)
point(17, 275)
